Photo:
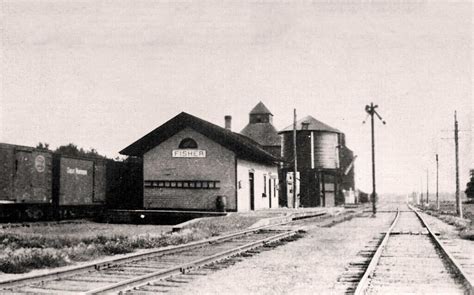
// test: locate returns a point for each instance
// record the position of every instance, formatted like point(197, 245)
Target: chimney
point(228, 122)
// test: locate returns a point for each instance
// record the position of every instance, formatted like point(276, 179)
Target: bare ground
point(310, 265)
point(464, 248)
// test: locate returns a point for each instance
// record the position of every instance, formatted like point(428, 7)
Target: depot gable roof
point(243, 146)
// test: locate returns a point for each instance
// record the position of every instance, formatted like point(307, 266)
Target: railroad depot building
point(192, 164)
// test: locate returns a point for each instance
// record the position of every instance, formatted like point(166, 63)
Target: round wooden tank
point(324, 145)
point(326, 154)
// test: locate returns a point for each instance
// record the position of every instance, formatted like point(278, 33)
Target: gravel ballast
point(310, 265)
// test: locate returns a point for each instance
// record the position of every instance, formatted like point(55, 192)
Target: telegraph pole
point(456, 150)
point(422, 198)
point(295, 159)
point(437, 182)
point(456, 145)
point(427, 189)
point(370, 109)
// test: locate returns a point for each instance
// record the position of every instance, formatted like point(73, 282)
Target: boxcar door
point(41, 176)
point(252, 191)
point(23, 187)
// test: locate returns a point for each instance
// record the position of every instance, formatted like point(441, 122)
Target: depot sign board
point(189, 153)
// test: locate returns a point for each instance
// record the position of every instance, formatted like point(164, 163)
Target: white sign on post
point(189, 153)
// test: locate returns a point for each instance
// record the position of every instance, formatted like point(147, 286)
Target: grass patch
point(465, 225)
point(23, 252)
point(467, 234)
point(25, 248)
point(25, 260)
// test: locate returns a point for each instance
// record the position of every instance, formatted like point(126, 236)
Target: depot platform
point(156, 216)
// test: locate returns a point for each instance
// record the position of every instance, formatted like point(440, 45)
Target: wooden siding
point(325, 150)
point(76, 181)
point(26, 175)
point(262, 186)
point(218, 165)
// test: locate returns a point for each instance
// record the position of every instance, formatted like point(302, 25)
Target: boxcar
point(40, 185)
point(79, 186)
point(25, 182)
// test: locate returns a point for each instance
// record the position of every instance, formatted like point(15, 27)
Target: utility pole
point(370, 109)
point(437, 182)
point(422, 198)
point(456, 150)
point(427, 190)
point(456, 145)
point(295, 168)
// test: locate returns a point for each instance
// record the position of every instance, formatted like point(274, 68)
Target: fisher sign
point(189, 153)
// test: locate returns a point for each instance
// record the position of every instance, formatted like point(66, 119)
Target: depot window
point(188, 143)
point(180, 184)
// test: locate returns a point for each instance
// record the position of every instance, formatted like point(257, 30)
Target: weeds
point(25, 260)
point(465, 226)
point(24, 249)
point(467, 234)
point(25, 252)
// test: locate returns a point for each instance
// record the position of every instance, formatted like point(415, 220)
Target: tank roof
point(312, 124)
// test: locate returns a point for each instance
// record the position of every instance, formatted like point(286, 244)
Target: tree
point(470, 188)
point(43, 146)
point(72, 150)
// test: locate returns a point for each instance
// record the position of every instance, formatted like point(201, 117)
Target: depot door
point(270, 193)
point(252, 191)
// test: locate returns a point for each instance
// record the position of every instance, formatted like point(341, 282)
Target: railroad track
point(408, 259)
point(136, 270)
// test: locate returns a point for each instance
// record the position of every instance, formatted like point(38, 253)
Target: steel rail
point(363, 283)
point(139, 281)
point(109, 262)
point(106, 263)
point(451, 259)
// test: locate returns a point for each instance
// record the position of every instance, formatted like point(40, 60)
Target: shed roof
point(313, 125)
point(243, 146)
point(260, 108)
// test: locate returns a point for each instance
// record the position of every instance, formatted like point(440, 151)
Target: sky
point(101, 74)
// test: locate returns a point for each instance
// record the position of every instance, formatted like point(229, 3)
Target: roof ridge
point(240, 144)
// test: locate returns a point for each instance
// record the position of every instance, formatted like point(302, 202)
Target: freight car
point(41, 185)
